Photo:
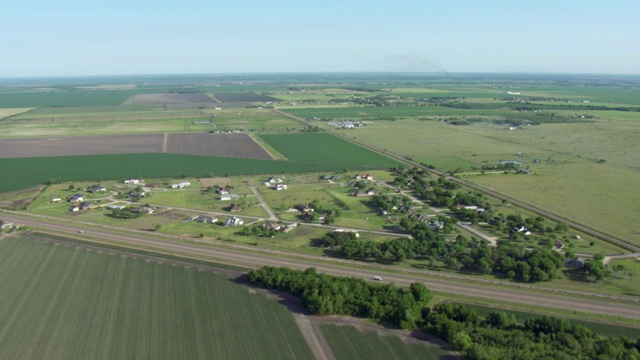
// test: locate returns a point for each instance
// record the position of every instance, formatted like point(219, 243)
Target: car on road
point(377, 278)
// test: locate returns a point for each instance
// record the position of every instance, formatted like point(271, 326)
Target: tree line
point(496, 336)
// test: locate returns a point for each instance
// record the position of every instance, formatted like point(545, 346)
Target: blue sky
point(73, 38)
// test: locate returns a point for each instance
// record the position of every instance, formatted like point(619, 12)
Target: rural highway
point(258, 259)
point(547, 214)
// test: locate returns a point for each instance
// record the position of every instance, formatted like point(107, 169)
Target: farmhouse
point(86, 205)
point(75, 197)
point(132, 181)
point(97, 188)
point(274, 180)
point(229, 197)
point(355, 233)
point(281, 187)
point(206, 219)
point(223, 191)
point(271, 226)
point(143, 210)
point(575, 263)
point(115, 207)
point(233, 221)
point(234, 208)
point(180, 185)
point(364, 177)
point(436, 225)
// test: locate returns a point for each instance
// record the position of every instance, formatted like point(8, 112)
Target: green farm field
point(57, 303)
point(323, 148)
point(347, 343)
point(28, 172)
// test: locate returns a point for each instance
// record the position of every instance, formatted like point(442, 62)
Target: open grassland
point(324, 148)
point(57, 303)
point(12, 112)
point(28, 172)
point(350, 344)
point(570, 180)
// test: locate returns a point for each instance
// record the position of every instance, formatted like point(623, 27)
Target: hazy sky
point(59, 38)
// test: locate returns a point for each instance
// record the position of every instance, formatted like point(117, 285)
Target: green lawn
point(62, 302)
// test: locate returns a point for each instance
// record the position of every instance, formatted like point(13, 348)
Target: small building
point(233, 221)
point(229, 197)
point(115, 207)
point(234, 208)
point(575, 263)
point(132, 181)
point(206, 219)
point(223, 191)
point(269, 225)
point(181, 185)
point(436, 225)
point(281, 187)
point(75, 198)
point(97, 188)
point(86, 205)
point(56, 200)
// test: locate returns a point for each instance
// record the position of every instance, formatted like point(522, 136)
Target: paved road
point(257, 259)
point(545, 213)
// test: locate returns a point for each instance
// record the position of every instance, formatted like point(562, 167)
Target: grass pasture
point(57, 303)
point(347, 343)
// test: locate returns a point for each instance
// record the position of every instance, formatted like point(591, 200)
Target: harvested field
point(172, 98)
point(225, 145)
point(80, 145)
point(244, 97)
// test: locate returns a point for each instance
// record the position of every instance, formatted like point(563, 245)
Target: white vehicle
point(378, 278)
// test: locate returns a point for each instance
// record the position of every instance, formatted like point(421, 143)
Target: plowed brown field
point(80, 145)
point(169, 98)
point(224, 145)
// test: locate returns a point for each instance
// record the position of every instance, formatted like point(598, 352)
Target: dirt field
point(171, 98)
point(226, 145)
point(80, 145)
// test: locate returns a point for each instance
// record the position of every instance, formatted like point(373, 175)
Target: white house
point(233, 221)
point(181, 185)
